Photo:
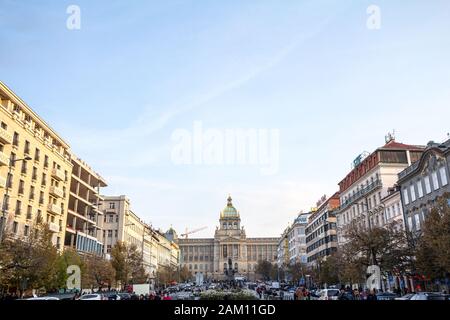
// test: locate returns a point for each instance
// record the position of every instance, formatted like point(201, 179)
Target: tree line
point(33, 262)
point(394, 250)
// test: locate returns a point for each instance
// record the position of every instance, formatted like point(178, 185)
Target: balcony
point(58, 174)
point(53, 208)
point(4, 159)
point(53, 227)
point(374, 185)
point(57, 192)
point(5, 137)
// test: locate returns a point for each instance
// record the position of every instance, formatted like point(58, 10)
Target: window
point(112, 205)
point(405, 196)
point(435, 180)
point(9, 180)
point(44, 179)
point(24, 167)
point(15, 227)
point(443, 175)
point(31, 196)
point(413, 193)
point(419, 188)
point(21, 186)
point(26, 149)
point(109, 233)
point(46, 161)
point(116, 233)
point(417, 221)
point(41, 197)
point(427, 184)
point(34, 174)
point(37, 154)
point(111, 218)
point(26, 231)
point(29, 213)
point(16, 139)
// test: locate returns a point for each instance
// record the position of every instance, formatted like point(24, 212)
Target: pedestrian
point(372, 295)
point(167, 297)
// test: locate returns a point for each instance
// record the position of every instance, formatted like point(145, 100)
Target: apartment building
point(321, 233)
point(35, 169)
point(283, 248)
point(84, 219)
point(363, 189)
point(120, 223)
point(423, 183)
point(297, 239)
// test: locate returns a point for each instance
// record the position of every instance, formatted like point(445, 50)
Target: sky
point(310, 74)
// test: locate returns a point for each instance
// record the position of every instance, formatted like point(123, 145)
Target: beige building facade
point(35, 170)
point(230, 252)
point(120, 223)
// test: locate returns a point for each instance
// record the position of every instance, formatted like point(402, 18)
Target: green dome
point(229, 211)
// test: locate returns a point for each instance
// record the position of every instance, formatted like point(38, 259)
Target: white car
point(428, 296)
point(328, 294)
point(93, 296)
point(43, 298)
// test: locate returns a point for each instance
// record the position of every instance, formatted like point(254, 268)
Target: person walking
point(372, 295)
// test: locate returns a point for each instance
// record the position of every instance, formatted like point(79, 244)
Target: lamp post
point(5, 205)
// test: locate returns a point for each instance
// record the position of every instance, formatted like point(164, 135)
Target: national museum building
point(230, 253)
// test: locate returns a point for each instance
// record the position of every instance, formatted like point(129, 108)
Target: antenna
point(390, 136)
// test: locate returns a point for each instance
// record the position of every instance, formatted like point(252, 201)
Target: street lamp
point(5, 197)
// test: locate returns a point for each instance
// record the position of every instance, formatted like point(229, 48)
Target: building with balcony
point(283, 248)
point(363, 189)
point(422, 183)
point(321, 234)
point(84, 224)
point(230, 253)
point(34, 187)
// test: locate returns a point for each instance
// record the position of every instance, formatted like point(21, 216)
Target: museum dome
point(229, 211)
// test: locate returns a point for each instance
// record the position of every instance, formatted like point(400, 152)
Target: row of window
point(26, 232)
point(419, 217)
point(110, 218)
point(323, 253)
point(317, 222)
point(416, 190)
point(321, 242)
point(319, 231)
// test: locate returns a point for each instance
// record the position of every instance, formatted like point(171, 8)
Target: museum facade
point(230, 253)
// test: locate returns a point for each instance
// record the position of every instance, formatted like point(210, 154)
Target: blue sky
point(137, 70)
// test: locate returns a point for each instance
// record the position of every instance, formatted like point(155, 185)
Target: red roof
point(398, 145)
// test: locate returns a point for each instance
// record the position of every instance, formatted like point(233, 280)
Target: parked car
point(113, 296)
point(43, 298)
point(429, 296)
point(407, 296)
point(93, 296)
point(328, 294)
point(386, 296)
point(124, 296)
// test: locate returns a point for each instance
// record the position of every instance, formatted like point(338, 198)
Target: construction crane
point(187, 232)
